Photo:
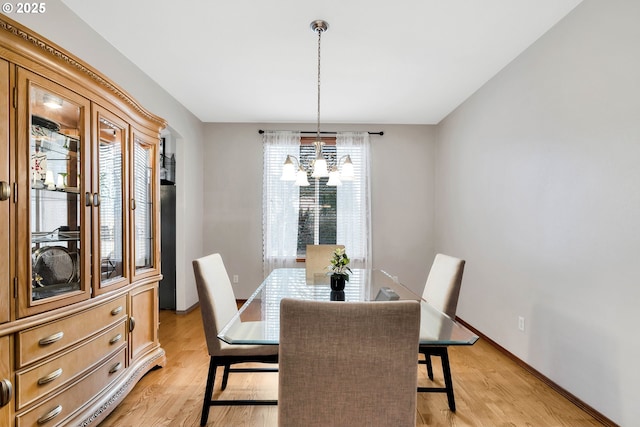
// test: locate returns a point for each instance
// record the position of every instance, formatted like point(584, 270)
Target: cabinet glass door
point(143, 204)
point(55, 202)
point(112, 134)
point(53, 211)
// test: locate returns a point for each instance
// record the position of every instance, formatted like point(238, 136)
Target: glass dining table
point(258, 320)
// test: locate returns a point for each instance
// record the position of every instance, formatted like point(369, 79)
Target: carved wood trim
point(54, 51)
point(121, 392)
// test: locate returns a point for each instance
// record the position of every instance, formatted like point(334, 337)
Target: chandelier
point(293, 169)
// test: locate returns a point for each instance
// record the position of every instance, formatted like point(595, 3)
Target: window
point(318, 214)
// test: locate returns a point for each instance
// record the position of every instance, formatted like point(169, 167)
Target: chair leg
point(446, 371)
point(427, 361)
point(448, 383)
point(208, 392)
point(225, 376)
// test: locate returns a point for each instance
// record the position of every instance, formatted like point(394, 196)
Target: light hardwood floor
point(490, 390)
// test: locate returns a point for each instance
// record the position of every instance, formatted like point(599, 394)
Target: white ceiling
point(400, 61)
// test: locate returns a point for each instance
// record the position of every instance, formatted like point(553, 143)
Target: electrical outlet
point(235, 278)
point(521, 323)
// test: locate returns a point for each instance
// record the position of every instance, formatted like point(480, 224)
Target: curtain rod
point(327, 132)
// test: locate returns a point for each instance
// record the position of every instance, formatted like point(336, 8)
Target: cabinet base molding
point(107, 401)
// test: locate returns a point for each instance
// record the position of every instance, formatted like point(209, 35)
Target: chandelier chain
point(319, 30)
point(336, 169)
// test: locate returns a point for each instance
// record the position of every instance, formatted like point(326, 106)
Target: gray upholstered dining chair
point(348, 363)
point(218, 305)
point(441, 291)
point(317, 259)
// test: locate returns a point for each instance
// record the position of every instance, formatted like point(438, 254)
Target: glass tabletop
point(258, 320)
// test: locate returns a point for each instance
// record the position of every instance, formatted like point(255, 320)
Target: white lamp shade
point(288, 170)
point(301, 179)
point(320, 168)
point(334, 179)
point(347, 173)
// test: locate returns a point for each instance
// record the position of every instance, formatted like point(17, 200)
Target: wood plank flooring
point(490, 389)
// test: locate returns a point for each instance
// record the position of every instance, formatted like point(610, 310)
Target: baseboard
point(573, 399)
point(196, 305)
point(189, 309)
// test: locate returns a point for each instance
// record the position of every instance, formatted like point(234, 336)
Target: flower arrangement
point(340, 263)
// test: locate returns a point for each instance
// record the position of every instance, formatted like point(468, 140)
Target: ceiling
point(384, 62)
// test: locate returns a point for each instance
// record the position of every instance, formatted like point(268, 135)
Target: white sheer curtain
point(354, 200)
point(280, 202)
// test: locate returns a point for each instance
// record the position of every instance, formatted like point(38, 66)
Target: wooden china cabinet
point(79, 236)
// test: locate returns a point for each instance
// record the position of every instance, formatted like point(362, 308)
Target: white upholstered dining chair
point(350, 364)
point(442, 291)
point(218, 305)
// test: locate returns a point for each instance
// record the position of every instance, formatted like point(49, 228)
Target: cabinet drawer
point(51, 375)
point(39, 342)
point(58, 408)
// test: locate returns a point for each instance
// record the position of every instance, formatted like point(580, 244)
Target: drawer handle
point(6, 392)
point(115, 368)
point(51, 339)
point(115, 339)
point(116, 310)
point(50, 415)
point(52, 376)
point(132, 324)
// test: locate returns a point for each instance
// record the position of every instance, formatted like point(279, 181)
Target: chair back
point(217, 300)
point(443, 284)
point(317, 259)
point(348, 363)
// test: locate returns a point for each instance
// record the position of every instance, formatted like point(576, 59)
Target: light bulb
point(52, 101)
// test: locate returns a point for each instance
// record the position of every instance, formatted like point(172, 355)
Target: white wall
point(402, 208)
point(402, 198)
point(537, 187)
point(63, 27)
